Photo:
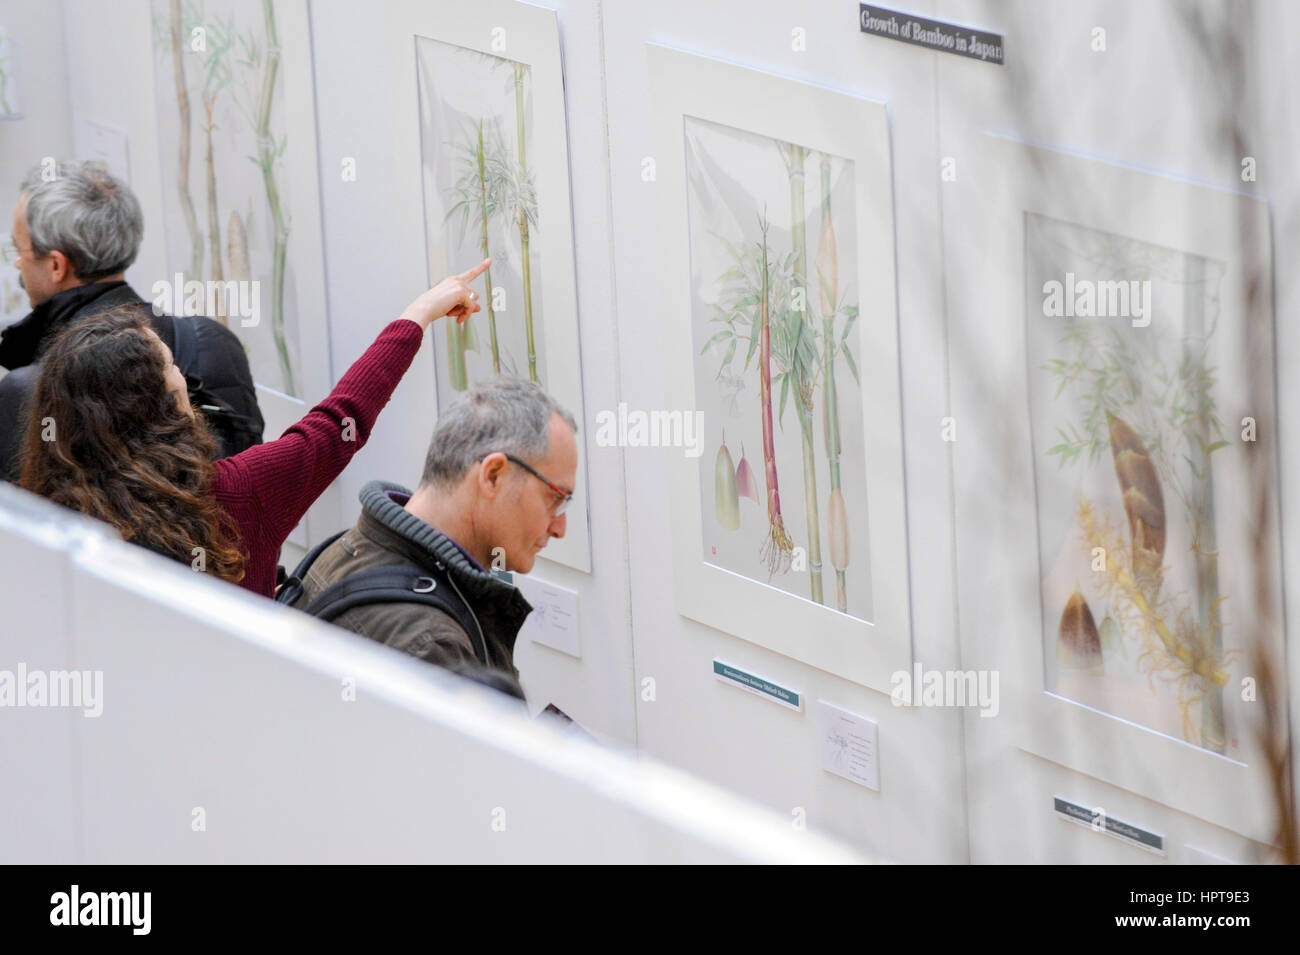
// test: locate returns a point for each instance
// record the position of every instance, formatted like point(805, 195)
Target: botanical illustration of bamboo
point(827, 286)
point(800, 325)
point(175, 27)
point(523, 222)
point(1169, 420)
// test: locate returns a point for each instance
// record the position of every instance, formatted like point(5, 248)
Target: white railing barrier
point(234, 730)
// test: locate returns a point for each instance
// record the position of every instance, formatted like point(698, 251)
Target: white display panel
point(808, 565)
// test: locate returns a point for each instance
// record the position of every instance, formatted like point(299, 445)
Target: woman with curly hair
point(111, 434)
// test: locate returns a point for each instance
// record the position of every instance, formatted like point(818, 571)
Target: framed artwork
point(1114, 298)
point(240, 195)
point(776, 217)
point(481, 138)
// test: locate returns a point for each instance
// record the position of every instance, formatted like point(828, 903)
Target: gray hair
point(86, 213)
point(510, 415)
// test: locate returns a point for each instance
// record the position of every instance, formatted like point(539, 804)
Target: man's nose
point(558, 525)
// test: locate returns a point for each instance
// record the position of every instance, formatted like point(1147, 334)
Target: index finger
point(476, 271)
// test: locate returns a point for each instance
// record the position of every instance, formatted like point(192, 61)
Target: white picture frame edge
point(684, 84)
point(533, 38)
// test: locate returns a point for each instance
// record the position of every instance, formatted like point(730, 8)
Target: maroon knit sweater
point(268, 488)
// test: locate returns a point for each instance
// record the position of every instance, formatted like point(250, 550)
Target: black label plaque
point(931, 34)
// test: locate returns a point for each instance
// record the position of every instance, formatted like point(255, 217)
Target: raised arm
point(283, 478)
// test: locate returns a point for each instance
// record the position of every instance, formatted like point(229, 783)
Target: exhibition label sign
point(756, 684)
point(1097, 820)
point(931, 34)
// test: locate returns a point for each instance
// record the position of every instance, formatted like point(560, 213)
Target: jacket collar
point(21, 342)
point(491, 598)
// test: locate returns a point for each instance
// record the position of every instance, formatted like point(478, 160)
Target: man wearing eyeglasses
point(418, 570)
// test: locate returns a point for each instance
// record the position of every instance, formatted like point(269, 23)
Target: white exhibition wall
point(954, 786)
point(227, 729)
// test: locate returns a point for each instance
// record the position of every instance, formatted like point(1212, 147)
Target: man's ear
point(60, 268)
point(492, 474)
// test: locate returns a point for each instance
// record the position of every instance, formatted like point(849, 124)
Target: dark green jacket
point(386, 533)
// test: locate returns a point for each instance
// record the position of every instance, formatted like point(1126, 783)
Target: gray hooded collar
point(426, 543)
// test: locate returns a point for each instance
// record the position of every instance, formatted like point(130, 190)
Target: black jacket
point(389, 534)
point(221, 363)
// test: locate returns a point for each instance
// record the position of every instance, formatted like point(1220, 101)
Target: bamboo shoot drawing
point(1145, 399)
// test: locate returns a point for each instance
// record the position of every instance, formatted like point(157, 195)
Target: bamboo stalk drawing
point(801, 323)
point(216, 78)
point(523, 222)
point(477, 193)
point(777, 546)
point(267, 153)
point(827, 284)
point(175, 28)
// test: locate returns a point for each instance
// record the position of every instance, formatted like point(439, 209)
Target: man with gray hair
point(76, 230)
point(416, 572)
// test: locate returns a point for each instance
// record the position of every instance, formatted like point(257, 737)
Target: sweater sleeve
point(284, 477)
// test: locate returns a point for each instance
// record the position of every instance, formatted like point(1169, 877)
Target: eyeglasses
point(565, 496)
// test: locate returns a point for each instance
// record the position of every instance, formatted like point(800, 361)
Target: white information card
point(848, 743)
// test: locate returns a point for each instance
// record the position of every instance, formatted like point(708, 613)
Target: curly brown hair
point(107, 438)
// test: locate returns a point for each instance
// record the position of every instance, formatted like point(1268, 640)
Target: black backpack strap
point(291, 589)
point(397, 583)
point(186, 352)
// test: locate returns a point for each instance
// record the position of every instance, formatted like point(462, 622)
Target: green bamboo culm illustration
point(827, 284)
point(802, 325)
point(523, 223)
point(175, 29)
point(478, 194)
point(487, 275)
point(216, 79)
point(266, 156)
